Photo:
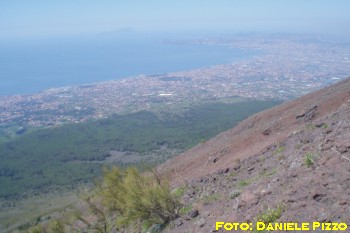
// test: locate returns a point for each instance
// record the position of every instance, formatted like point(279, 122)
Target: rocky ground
point(290, 163)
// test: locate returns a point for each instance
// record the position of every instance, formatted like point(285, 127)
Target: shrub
point(243, 183)
point(234, 193)
point(36, 229)
point(55, 226)
point(210, 198)
point(179, 191)
point(309, 159)
point(310, 126)
point(270, 215)
point(279, 150)
point(138, 198)
point(269, 173)
point(185, 209)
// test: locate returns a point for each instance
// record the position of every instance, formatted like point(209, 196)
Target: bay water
point(29, 66)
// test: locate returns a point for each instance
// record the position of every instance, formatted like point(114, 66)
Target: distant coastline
point(37, 66)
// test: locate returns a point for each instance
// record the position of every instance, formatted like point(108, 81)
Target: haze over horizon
point(37, 18)
point(48, 44)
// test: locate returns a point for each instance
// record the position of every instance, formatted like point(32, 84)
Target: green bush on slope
point(138, 198)
point(123, 200)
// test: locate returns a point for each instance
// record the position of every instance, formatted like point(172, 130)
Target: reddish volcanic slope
point(293, 160)
point(256, 133)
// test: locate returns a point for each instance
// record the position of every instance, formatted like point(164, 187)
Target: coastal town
point(283, 69)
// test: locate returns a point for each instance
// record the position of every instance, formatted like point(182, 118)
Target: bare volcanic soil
point(292, 160)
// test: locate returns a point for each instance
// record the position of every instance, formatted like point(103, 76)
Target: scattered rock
point(300, 115)
point(343, 202)
point(266, 132)
point(203, 180)
point(308, 115)
point(237, 164)
point(248, 198)
point(248, 218)
point(223, 171)
point(192, 214)
point(213, 179)
point(291, 200)
point(207, 214)
point(178, 222)
point(305, 140)
point(265, 192)
point(317, 196)
point(343, 144)
point(328, 131)
point(319, 125)
point(201, 222)
point(342, 149)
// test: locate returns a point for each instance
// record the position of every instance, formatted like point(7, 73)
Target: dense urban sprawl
point(284, 68)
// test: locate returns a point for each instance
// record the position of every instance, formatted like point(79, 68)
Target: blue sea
point(33, 65)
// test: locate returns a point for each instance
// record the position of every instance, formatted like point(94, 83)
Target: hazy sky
point(20, 18)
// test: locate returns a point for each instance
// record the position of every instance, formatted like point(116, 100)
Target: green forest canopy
point(71, 154)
